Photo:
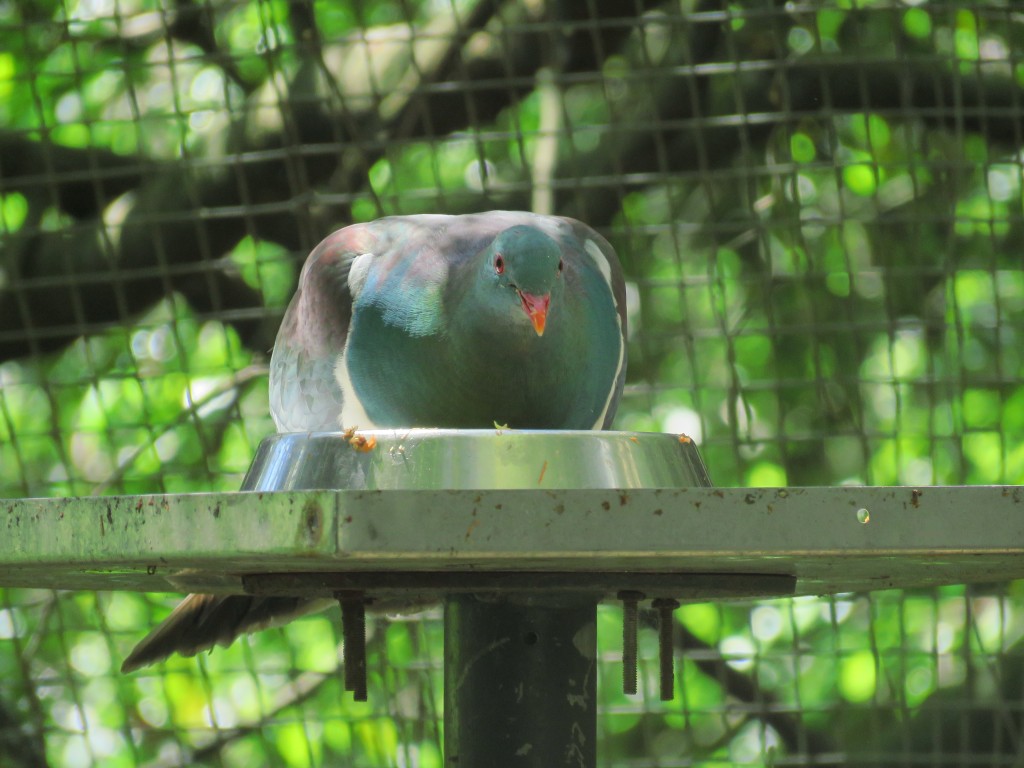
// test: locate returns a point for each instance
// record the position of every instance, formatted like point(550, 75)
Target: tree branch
point(81, 182)
point(702, 129)
point(19, 748)
point(798, 738)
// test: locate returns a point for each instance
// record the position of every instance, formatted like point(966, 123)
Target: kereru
point(453, 321)
point(506, 317)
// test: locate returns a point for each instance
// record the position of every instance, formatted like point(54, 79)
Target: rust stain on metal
point(605, 506)
point(543, 469)
point(472, 526)
point(915, 498)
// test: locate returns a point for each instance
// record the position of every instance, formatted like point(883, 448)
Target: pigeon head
point(525, 266)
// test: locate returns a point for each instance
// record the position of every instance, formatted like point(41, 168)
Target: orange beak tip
point(536, 308)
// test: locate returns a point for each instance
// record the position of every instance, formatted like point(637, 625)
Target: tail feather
point(200, 622)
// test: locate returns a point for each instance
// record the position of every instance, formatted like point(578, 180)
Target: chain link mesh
point(818, 207)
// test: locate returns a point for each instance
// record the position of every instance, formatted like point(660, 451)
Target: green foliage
point(842, 301)
point(152, 407)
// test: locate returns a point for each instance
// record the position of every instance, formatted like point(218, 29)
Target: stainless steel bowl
point(474, 459)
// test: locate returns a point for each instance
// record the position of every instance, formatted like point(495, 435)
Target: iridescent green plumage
point(436, 335)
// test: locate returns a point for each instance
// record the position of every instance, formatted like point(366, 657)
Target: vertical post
point(520, 682)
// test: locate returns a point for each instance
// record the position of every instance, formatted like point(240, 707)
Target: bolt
point(353, 632)
point(666, 649)
point(630, 609)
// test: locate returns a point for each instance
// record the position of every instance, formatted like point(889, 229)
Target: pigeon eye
point(499, 264)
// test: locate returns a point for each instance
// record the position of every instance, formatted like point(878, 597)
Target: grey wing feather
point(304, 393)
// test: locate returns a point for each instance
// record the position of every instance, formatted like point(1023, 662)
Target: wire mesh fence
point(888, 678)
point(819, 212)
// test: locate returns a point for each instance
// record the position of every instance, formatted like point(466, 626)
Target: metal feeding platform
point(520, 534)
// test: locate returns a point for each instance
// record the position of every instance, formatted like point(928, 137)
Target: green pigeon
point(454, 321)
point(501, 318)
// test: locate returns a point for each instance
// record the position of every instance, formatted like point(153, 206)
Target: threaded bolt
point(630, 610)
point(666, 647)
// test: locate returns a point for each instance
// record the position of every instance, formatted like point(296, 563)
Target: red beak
point(536, 308)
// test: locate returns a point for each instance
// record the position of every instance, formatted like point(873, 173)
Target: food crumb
point(363, 443)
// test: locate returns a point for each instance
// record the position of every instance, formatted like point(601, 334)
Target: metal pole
point(520, 681)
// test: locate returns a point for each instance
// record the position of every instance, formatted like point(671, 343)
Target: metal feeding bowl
point(474, 459)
